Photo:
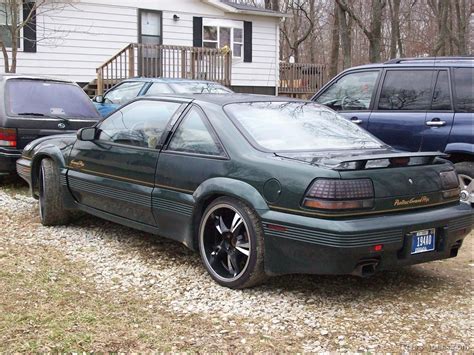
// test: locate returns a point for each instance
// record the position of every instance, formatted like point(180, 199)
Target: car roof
point(223, 99)
point(169, 80)
point(465, 61)
point(9, 76)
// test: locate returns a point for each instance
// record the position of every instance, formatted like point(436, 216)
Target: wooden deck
point(301, 79)
point(139, 60)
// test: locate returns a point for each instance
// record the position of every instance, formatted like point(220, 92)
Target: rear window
point(190, 87)
point(298, 126)
point(48, 98)
point(463, 83)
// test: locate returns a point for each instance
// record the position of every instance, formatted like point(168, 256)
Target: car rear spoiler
point(360, 162)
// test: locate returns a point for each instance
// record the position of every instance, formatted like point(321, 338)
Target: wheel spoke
point(220, 225)
point(243, 247)
point(236, 222)
point(230, 267)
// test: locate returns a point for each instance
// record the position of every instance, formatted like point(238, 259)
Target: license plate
point(423, 241)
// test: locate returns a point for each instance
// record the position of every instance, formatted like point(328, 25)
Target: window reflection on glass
point(210, 33)
point(463, 82)
point(124, 92)
point(194, 136)
point(441, 94)
point(352, 92)
point(294, 126)
point(140, 124)
point(224, 37)
point(5, 24)
point(407, 90)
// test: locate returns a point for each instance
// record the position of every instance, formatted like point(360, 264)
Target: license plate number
point(423, 241)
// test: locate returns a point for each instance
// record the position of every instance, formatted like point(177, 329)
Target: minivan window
point(441, 95)
point(48, 98)
point(407, 90)
point(298, 126)
point(463, 83)
point(352, 92)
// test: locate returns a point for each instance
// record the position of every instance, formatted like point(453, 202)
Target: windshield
point(298, 126)
point(190, 87)
point(48, 98)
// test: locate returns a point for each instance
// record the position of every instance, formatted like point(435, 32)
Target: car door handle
point(356, 120)
point(436, 122)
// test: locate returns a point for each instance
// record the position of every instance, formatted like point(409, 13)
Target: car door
point(120, 95)
point(351, 95)
point(115, 173)
point(193, 155)
point(439, 119)
point(400, 111)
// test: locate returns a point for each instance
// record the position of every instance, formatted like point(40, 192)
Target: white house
point(72, 41)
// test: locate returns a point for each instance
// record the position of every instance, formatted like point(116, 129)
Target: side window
point(159, 88)
point(463, 84)
point(441, 95)
point(194, 136)
point(352, 92)
point(124, 92)
point(407, 90)
point(140, 124)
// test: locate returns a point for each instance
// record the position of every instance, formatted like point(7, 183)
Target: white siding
point(74, 41)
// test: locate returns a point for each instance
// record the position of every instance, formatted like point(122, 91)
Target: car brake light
point(334, 194)
point(8, 137)
point(450, 184)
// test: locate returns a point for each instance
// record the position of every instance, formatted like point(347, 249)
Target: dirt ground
point(98, 286)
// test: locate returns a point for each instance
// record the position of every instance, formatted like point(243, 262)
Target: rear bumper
point(297, 244)
point(8, 157)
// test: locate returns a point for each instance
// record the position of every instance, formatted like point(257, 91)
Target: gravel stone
point(421, 308)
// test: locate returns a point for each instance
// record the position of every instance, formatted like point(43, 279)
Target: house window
point(5, 24)
point(223, 33)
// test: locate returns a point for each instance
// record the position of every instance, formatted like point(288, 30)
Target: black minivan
point(34, 107)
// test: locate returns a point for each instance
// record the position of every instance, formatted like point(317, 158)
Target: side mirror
point(87, 134)
point(99, 99)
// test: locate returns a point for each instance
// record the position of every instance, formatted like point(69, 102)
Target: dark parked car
point(35, 107)
point(130, 89)
point(421, 104)
point(259, 185)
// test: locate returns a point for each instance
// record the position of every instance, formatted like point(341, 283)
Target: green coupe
point(259, 185)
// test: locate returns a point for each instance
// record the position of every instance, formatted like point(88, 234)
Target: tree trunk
point(395, 39)
point(334, 43)
point(375, 37)
point(345, 25)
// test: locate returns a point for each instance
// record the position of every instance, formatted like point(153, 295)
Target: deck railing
point(140, 60)
point(301, 78)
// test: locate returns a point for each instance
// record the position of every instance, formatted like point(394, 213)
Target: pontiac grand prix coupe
point(258, 185)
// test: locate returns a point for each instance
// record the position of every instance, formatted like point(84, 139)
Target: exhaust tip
point(366, 268)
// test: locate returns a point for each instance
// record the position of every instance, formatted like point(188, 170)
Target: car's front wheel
point(51, 203)
point(231, 243)
point(465, 172)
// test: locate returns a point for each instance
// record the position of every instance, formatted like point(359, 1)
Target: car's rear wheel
point(51, 203)
point(465, 172)
point(231, 243)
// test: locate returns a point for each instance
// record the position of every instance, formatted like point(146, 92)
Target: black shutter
point(247, 41)
point(197, 31)
point(29, 31)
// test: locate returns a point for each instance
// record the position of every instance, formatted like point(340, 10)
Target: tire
point(51, 202)
point(233, 256)
point(465, 172)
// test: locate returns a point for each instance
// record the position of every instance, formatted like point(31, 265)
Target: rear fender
point(221, 186)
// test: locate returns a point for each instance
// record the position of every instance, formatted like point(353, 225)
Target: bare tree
point(395, 39)
point(374, 32)
point(335, 41)
point(300, 28)
point(18, 16)
point(345, 25)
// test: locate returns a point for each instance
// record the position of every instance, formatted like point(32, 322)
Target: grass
point(48, 305)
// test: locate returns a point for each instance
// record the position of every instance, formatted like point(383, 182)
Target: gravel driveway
point(419, 308)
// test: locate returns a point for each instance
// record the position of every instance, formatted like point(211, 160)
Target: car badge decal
point(410, 181)
point(413, 201)
point(76, 164)
point(61, 125)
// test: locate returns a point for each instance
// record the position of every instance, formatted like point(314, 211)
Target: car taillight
point(8, 137)
point(334, 194)
point(450, 184)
